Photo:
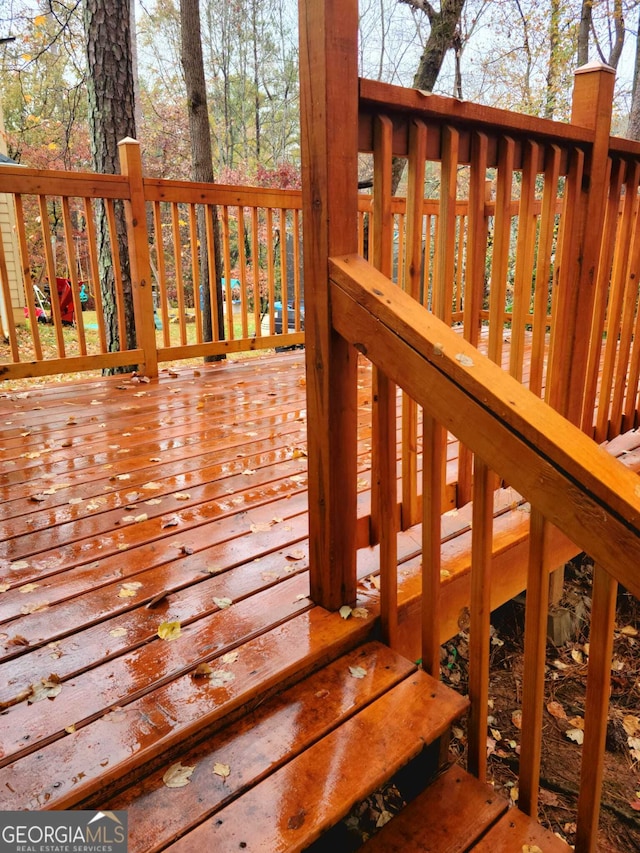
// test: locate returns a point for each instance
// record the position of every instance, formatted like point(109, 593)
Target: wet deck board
point(86, 581)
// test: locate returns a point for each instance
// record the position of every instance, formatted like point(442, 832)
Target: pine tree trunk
point(201, 157)
point(111, 118)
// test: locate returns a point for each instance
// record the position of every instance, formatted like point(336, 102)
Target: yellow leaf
point(357, 671)
point(221, 770)
point(129, 589)
point(28, 587)
point(40, 20)
point(222, 603)
point(52, 146)
point(169, 630)
point(70, 729)
point(177, 776)
point(345, 611)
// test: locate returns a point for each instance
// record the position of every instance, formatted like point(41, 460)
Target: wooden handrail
point(575, 483)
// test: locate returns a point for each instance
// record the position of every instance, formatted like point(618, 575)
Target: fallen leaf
point(577, 655)
point(357, 671)
point(28, 587)
point(19, 565)
point(169, 630)
point(177, 776)
point(220, 677)
point(203, 670)
point(34, 608)
point(261, 527)
point(248, 472)
point(174, 521)
point(4, 587)
point(516, 718)
point(70, 729)
point(634, 746)
point(152, 486)
point(230, 657)
point(294, 556)
point(118, 632)
point(129, 589)
point(222, 603)
point(531, 848)
point(46, 688)
point(576, 735)
point(631, 725)
point(345, 611)
point(556, 710)
point(360, 613)
point(576, 722)
point(17, 640)
point(629, 631)
point(182, 496)
point(222, 770)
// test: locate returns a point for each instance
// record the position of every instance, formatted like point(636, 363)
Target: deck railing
point(84, 326)
point(567, 479)
point(555, 272)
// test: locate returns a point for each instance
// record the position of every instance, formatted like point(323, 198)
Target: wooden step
point(297, 764)
point(457, 813)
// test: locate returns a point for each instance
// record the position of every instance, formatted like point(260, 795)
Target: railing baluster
point(384, 489)
point(162, 273)
point(177, 254)
point(6, 298)
point(434, 455)
point(92, 244)
point(209, 214)
point(525, 251)
point(51, 274)
point(411, 284)
point(226, 259)
point(480, 626)
point(444, 261)
point(603, 614)
point(25, 267)
point(535, 639)
point(474, 282)
point(242, 264)
point(195, 269)
point(500, 251)
point(543, 269)
point(255, 266)
point(73, 274)
point(271, 282)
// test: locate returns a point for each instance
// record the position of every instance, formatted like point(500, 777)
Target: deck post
point(579, 258)
point(581, 244)
point(136, 215)
point(329, 126)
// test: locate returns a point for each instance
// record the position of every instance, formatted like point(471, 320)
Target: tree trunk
point(201, 158)
point(583, 32)
point(553, 74)
point(111, 118)
point(442, 37)
point(633, 129)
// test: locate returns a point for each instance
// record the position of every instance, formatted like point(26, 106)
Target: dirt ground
point(563, 717)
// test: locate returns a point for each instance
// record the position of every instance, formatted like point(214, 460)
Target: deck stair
point(291, 766)
point(457, 813)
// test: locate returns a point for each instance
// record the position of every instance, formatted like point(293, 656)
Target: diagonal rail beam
point(577, 485)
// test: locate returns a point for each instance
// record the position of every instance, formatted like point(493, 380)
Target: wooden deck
point(179, 507)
